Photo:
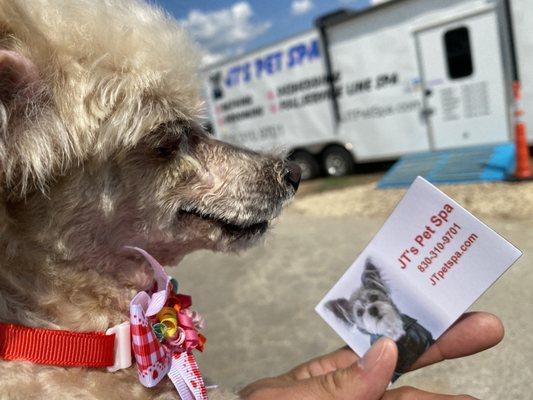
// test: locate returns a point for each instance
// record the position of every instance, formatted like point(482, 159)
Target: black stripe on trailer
point(325, 21)
point(510, 29)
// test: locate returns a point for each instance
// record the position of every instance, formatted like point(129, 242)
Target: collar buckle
point(122, 346)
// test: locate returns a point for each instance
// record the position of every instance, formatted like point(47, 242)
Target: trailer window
point(458, 53)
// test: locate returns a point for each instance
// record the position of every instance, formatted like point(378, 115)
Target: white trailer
point(277, 97)
point(404, 76)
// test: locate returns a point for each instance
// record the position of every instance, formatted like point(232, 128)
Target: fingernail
point(373, 355)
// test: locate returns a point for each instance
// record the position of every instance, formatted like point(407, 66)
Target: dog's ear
point(19, 86)
point(342, 309)
point(371, 278)
point(18, 77)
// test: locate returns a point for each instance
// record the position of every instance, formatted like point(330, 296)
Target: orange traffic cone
point(523, 166)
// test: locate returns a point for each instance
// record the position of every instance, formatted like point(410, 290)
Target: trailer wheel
point(307, 163)
point(337, 161)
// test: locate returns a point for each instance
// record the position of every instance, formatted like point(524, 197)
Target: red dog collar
point(162, 332)
point(56, 347)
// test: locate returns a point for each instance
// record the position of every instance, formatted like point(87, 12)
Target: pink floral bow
point(164, 332)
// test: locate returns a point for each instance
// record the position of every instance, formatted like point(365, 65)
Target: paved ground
point(259, 306)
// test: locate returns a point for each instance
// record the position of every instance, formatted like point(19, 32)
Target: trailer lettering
point(306, 84)
point(298, 54)
point(359, 86)
point(238, 73)
point(245, 114)
point(270, 64)
point(377, 112)
point(236, 103)
point(386, 80)
point(232, 77)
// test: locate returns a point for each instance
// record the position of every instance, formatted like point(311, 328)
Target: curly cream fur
point(103, 65)
point(99, 149)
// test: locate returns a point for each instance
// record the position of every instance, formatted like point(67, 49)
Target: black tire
point(337, 161)
point(307, 163)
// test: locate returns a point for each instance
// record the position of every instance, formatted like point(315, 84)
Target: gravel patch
point(495, 200)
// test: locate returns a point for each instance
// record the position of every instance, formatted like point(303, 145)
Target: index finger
point(472, 333)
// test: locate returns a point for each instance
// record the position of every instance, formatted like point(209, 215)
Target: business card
point(427, 264)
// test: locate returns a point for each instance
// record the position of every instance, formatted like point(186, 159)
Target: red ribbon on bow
point(160, 355)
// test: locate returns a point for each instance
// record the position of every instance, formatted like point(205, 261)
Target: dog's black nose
point(293, 174)
point(373, 311)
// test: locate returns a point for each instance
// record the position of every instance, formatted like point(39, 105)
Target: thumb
point(367, 379)
point(374, 371)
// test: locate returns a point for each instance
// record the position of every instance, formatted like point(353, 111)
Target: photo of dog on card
point(370, 310)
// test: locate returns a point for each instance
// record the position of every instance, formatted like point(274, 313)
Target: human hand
point(342, 375)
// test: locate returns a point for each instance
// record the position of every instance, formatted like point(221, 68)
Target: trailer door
point(463, 81)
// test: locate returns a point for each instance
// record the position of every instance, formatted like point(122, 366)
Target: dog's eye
point(167, 148)
point(360, 312)
point(165, 151)
point(373, 298)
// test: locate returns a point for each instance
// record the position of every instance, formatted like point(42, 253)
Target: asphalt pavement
point(259, 307)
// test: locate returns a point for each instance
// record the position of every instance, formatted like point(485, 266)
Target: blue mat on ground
point(464, 165)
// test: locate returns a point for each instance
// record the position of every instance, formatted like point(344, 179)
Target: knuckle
point(335, 385)
point(329, 384)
